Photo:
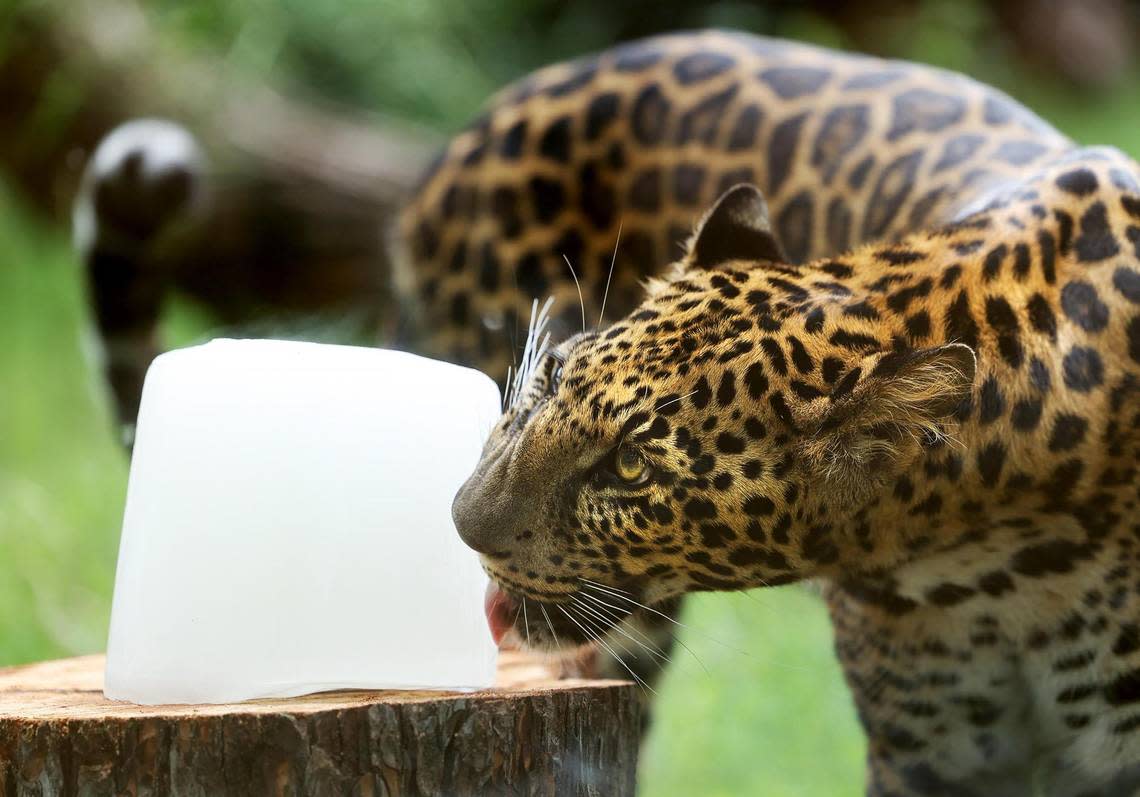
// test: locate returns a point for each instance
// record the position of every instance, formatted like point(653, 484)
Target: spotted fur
point(939, 424)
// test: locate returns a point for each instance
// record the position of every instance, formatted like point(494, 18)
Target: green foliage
point(758, 706)
point(62, 477)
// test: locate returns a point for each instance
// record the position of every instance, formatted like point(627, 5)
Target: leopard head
point(714, 439)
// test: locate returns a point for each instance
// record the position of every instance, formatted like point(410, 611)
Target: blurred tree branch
point(72, 71)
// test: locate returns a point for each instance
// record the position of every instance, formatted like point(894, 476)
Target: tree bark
point(60, 736)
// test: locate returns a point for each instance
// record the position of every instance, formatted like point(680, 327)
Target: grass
point(62, 477)
point(764, 713)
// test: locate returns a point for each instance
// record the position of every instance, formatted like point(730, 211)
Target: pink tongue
point(498, 607)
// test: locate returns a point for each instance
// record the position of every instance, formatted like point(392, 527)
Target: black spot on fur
point(687, 181)
point(700, 509)
point(891, 189)
point(701, 66)
point(924, 110)
point(513, 141)
point(636, 57)
point(996, 583)
point(1026, 415)
point(991, 267)
point(1000, 316)
point(838, 224)
point(743, 135)
point(702, 122)
point(650, 114)
point(645, 190)
point(957, 150)
point(1068, 432)
point(960, 324)
point(840, 132)
point(794, 226)
point(1041, 316)
point(547, 197)
point(991, 400)
point(949, 594)
point(555, 142)
point(756, 381)
point(601, 112)
point(1081, 182)
point(1081, 304)
point(1096, 241)
point(1133, 334)
point(1019, 153)
point(1083, 369)
point(1127, 282)
point(782, 150)
point(595, 197)
point(790, 82)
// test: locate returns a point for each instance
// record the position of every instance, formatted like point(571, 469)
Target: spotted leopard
point(940, 426)
point(898, 356)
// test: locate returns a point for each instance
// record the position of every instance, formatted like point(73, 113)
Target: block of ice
point(288, 526)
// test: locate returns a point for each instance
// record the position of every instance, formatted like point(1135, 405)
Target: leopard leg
point(143, 185)
point(891, 776)
point(1063, 779)
point(934, 728)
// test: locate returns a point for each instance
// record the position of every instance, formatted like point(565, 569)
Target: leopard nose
point(473, 510)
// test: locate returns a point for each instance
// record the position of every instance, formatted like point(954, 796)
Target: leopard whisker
point(526, 622)
point(611, 591)
point(618, 615)
point(689, 650)
point(600, 631)
point(650, 648)
point(598, 584)
point(672, 636)
point(578, 285)
point(609, 277)
point(550, 625)
point(674, 401)
point(678, 623)
point(533, 350)
point(608, 649)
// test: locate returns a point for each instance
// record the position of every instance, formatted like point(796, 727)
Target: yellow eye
point(630, 467)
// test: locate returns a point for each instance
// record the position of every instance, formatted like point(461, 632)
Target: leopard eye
point(630, 467)
point(555, 378)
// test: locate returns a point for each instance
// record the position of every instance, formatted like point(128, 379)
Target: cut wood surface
point(533, 735)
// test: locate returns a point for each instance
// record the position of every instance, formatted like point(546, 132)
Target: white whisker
point(617, 595)
point(578, 285)
point(619, 615)
point(526, 622)
point(674, 401)
point(600, 631)
point(650, 648)
point(598, 584)
point(609, 277)
point(537, 341)
point(608, 649)
point(550, 625)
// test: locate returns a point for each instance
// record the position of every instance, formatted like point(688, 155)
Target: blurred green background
point(759, 706)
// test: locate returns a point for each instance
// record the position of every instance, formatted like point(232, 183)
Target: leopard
point(879, 363)
point(874, 326)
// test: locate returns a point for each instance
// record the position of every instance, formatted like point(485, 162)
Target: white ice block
point(288, 526)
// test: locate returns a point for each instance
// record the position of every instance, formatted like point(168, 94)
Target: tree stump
point(59, 735)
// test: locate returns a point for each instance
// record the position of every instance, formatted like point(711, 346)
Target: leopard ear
point(873, 425)
point(735, 228)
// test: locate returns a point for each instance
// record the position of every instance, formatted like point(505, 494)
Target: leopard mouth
point(580, 619)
